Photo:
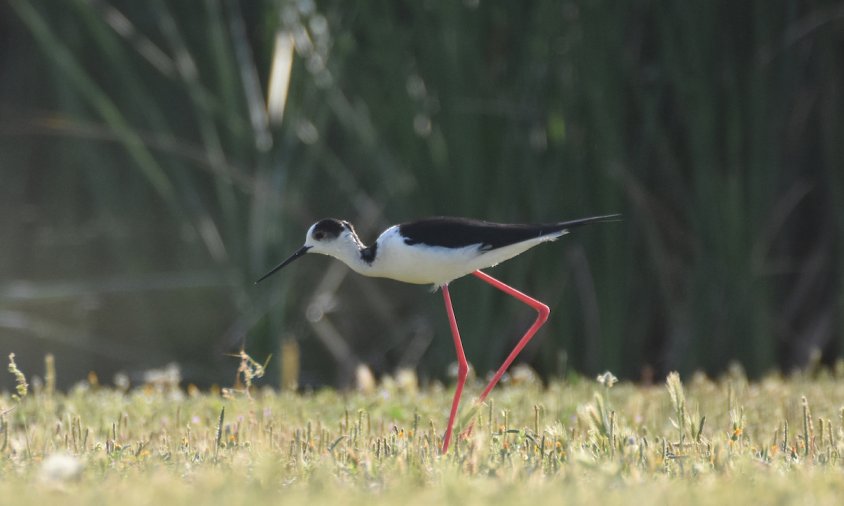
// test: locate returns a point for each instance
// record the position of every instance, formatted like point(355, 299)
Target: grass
point(779, 440)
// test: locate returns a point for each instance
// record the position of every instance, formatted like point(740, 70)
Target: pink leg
point(462, 366)
point(541, 317)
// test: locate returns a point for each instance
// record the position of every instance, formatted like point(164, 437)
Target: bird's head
point(330, 237)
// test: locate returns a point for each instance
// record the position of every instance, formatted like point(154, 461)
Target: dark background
point(145, 183)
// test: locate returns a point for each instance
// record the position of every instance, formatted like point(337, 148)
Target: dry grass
point(776, 440)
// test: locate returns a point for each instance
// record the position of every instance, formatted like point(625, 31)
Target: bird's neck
point(356, 255)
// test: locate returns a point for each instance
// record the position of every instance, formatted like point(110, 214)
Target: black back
point(461, 232)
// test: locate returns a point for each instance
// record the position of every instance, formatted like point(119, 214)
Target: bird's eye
point(319, 235)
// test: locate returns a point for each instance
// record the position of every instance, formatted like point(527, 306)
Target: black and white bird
point(437, 251)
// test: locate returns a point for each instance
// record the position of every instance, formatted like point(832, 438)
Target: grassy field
point(582, 441)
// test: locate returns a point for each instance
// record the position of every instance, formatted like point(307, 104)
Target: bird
point(437, 251)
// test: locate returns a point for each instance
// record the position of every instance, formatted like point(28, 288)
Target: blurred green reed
point(713, 127)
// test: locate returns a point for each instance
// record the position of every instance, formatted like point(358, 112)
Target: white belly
point(422, 264)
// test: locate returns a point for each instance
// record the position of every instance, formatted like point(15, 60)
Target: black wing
point(461, 232)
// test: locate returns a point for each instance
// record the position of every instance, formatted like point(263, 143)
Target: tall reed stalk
point(713, 127)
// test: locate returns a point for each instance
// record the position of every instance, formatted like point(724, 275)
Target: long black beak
point(301, 251)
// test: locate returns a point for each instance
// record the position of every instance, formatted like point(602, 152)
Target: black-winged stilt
point(437, 251)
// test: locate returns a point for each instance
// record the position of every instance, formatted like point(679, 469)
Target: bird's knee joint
point(462, 370)
point(544, 311)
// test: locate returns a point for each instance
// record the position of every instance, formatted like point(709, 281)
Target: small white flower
point(60, 467)
point(607, 379)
